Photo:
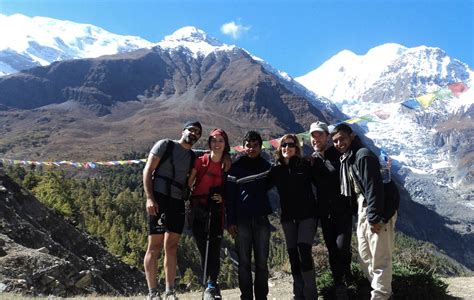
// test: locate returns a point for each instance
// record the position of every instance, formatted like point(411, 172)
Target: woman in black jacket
point(292, 177)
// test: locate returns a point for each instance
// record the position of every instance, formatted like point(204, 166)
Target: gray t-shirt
point(181, 161)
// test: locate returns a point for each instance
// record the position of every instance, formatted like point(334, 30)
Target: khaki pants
point(375, 253)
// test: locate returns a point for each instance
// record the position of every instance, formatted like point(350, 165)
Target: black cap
point(192, 124)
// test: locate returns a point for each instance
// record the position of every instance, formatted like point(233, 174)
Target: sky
point(294, 36)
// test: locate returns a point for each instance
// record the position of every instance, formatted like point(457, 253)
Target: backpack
point(168, 154)
point(391, 196)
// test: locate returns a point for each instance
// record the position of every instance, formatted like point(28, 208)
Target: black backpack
point(168, 154)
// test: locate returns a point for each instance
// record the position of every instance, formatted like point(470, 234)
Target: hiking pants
point(200, 233)
point(375, 253)
point(253, 234)
point(299, 236)
point(337, 232)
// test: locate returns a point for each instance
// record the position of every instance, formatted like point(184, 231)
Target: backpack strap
point(168, 155)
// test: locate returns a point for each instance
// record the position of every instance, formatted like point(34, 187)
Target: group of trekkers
point(340, 179)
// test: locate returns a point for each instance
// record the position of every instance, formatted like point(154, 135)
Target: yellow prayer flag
point(425, 100)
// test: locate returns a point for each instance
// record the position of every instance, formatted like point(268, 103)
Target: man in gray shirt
point(164, 180)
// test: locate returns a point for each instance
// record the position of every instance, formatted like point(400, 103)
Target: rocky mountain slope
point(42, 254)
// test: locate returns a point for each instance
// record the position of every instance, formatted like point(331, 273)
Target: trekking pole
point(204, 277)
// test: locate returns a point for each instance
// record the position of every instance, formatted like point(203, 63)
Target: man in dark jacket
point(333, 209)
point(248, 207)
point(360, 176)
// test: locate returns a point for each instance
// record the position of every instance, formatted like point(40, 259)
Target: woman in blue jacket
point(292, 177)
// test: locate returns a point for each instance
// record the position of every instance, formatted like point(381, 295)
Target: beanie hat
point(192, 124)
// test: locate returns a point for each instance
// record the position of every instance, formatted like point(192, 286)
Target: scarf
point(344, 176)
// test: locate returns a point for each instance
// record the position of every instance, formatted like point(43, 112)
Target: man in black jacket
point(333, 209)
point(248, 207)
point(360, 176)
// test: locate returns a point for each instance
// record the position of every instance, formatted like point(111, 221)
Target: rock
point(46, 280)
point(43, 250)
point(85, 280)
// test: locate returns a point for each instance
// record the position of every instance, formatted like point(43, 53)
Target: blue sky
point(294, 36)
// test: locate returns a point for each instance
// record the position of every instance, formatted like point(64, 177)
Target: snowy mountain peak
point(34, 41)
point(192, 34)
point(347, 76)
point(195, 40)
point(389, 48)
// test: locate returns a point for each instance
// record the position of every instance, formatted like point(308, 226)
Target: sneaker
point(212, 293)
point(171, 295)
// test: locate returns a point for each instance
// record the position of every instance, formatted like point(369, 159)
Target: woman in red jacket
point(207, 181)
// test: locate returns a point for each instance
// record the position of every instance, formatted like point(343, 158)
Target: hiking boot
point(171, 295)
point(154, 296)
point(212, 293)
point(341, 292)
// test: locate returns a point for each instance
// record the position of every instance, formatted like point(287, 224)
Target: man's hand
point(375, 228)
point(217, 198)
point(232, 229)
point(151, 207)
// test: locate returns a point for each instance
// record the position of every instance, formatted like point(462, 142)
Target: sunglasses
point(194, 130)
point(291, 145)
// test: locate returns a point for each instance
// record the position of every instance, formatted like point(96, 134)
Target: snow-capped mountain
point(347, 75)
point(39, 41)
point(373, 76)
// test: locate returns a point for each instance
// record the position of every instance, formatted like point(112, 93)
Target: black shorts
point(170, 217)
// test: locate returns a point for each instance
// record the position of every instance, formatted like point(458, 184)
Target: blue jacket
point(246, 189)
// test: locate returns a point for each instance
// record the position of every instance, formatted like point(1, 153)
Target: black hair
point(252, 135)
point(341, 127)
